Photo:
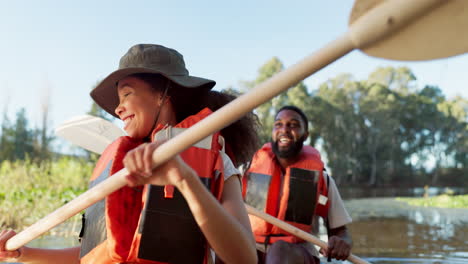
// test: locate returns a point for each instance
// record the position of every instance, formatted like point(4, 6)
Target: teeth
point(127, 120)
point(284, 140)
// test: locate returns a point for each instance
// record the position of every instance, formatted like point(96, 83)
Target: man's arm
point(339, 240)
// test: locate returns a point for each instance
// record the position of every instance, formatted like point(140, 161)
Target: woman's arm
point(226, 229)
point(36, 255)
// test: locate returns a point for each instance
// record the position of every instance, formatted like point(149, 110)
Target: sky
point(60, 49)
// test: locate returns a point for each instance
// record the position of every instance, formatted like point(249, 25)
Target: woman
point(194, 199)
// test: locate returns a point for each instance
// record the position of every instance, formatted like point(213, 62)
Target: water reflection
point(387, 231)
point(382, 236)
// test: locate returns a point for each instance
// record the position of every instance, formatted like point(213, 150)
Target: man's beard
point(291, 151)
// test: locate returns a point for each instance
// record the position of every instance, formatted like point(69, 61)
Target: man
point(288, 180)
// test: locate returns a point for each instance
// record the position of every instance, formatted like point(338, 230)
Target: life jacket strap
point(267, 239)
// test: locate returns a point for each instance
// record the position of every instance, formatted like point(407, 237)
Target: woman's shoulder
point(229, 168)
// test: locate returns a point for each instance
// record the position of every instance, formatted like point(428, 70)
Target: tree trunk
point(373, 176)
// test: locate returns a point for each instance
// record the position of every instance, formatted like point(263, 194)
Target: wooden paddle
point(372, 26)
point(71, 130)
point(297, 232)
point(437, 33)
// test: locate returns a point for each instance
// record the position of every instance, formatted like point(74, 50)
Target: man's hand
point(339, 244)
point(337, 249)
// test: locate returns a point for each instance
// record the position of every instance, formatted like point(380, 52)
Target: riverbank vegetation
point(29, 190)
point(440, 201)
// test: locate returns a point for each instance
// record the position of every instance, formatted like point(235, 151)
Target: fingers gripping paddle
point(370, 28)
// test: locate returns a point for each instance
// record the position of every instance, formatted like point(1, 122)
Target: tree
point(46, 137)
point(6, 139)
point(367, 127)
point(450, 140)
point(334, 115)
point(23, 139)
point(399, 79)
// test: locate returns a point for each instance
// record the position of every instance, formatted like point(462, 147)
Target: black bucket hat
point(147, 58)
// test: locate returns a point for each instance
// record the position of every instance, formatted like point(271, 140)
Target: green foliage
point(7, 136)
point(23, 141)
point(18, 141)
point(29, 190)
point(441, 201)
point(382, 130)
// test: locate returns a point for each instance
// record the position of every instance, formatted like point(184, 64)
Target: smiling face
point(138, 106)
point(288, 134)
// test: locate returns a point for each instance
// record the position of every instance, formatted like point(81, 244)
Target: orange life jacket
point(296, 199)
point(150, 224)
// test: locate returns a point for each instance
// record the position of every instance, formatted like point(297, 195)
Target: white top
point(337, 214)
point(229, 168)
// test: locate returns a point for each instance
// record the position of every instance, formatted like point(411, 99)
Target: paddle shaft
point(297, 232)
point(215, 122)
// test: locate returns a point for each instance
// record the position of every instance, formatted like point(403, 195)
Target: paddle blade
point(89, 132)
point(438, 33)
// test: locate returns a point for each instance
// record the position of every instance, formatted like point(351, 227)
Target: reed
point(29, 191)
point(441, 201)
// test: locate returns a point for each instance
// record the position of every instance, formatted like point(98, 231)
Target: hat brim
point(106, 96)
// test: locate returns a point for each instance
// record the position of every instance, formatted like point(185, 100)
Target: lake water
point(387, 231)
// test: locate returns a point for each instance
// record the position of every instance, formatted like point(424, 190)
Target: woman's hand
point(139, 164)
point(5, 255)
